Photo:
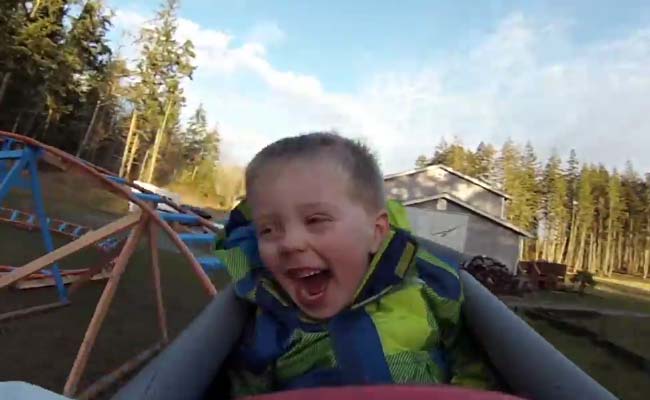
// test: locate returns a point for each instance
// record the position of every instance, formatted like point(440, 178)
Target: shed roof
point(468, 178)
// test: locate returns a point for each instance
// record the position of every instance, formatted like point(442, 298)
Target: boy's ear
point(381, 228)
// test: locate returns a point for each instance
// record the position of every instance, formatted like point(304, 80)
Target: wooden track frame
point(144, 222)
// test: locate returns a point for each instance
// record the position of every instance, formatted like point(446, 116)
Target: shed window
point(441, 204)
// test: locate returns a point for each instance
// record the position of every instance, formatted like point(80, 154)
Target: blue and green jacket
point(404, 326)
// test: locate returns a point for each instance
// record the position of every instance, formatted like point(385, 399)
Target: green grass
point(623, 380)
point(41, 349)
point(592, 298)
point(618, 375)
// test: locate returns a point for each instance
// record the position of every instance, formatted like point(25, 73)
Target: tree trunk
point(619, 265)
point(14, 128)
point(551, 248)
point(559, 256)
point(581, 250)
point(6, 79)
point(134, 151)
point(157, 142)
point(646, 253)
point(569, 260)
point(629, 246)
point(89, 129)
point(127, 145)
point(591, 255)
point(142, 166)
point(608, 245)
point(47, 122)
point(35, 7)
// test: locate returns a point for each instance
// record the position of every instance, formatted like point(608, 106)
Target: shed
point(458, 211)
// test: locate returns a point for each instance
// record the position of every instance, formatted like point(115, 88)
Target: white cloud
point(267, 33)
point(524, 80)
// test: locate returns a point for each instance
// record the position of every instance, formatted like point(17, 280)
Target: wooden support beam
point(93, 273)
point(105, 382)
point(31, 310)
point(70, 248)
point(155, 269)
point(101, 310)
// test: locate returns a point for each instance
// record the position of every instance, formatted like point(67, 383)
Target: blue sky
point(403, 74)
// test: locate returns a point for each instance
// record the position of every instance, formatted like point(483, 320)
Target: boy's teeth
point(304, 274)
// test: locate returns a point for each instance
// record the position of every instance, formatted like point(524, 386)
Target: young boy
point(342, 296)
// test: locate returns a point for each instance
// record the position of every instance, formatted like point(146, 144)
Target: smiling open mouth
point(311, 283)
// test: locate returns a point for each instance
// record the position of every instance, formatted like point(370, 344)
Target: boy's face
point(314, 238)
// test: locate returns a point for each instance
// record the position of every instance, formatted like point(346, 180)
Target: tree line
point(63, 84)
point(584, 215)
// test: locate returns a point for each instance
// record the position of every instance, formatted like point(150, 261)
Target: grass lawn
point(625, 380)
point(41, 349)
point(592, 298)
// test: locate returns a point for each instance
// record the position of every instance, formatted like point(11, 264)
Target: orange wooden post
point(102, 308)
point(70, 248)
point(155, 269)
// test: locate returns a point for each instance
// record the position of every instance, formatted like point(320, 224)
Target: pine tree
point(530, 186)
point(633, 197)
point(585, 215)
point(599, 190)
point(616, 208)
point(510, 164)
point(158, 95)
point(646, 230)
point(441, 153)
point(194, 138)
point(12, 20)
point(554, 210)
point(458, 157)
point(422, 161)
point(484, 162)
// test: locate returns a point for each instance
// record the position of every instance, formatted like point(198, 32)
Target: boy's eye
point(317, 219)
point(263, 231)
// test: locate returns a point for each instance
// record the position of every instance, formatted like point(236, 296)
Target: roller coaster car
point(192, 367)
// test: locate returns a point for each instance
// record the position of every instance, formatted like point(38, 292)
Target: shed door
point(446, 228)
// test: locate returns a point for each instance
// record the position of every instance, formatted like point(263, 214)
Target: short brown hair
point(356, 159)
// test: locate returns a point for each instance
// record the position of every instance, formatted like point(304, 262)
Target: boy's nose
point(293, 240)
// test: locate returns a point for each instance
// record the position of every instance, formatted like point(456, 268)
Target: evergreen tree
point(484, 162)
point(442, 152)
point(459, 158)
point(614, 219)
point(554, 211)
point(510, 171)
point(530, 186)
point(633, 195)
point(646, 228)
point(572, 174)
point(585, 215)
point(199, 143)
point(158, 95)
point(421, 161)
